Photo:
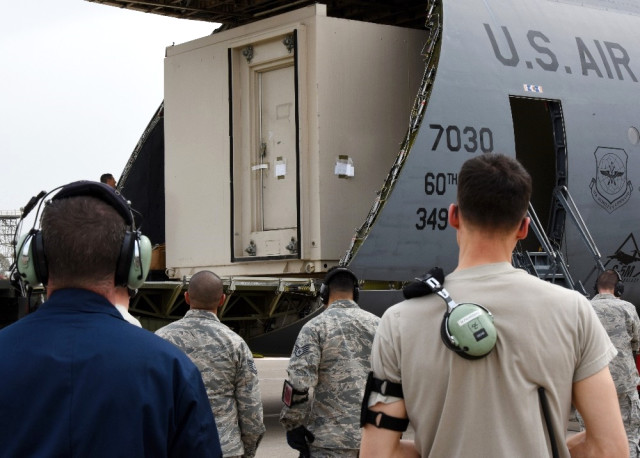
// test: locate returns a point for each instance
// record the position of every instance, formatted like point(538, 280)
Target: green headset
point(466, 328)
point(134, 259)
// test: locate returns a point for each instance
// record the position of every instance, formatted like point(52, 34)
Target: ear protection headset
point(466, 328)
point(618, 289)
point(325, 288)
point(134, 259)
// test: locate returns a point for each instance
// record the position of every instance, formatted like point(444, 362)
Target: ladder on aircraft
point(549, 263)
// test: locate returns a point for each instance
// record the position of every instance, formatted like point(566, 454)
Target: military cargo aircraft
point(556, 84)
point(287, 143)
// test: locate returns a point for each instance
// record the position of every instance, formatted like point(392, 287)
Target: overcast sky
point(79, 82)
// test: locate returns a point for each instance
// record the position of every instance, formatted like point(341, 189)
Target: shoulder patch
point(299, 351)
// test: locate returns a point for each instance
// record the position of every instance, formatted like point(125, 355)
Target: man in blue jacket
point(76, 378)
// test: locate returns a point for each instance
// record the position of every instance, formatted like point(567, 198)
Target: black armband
point(385, 387)
point(291, 396)
point(380, 419)
point(384, 421)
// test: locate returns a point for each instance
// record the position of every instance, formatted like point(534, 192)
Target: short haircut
point(82, 238)
point(493, 192)
point(607, 280)
point(205, 290)
point(342, 282)
point(105, 177)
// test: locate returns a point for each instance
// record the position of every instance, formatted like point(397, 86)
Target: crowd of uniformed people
point(486, 361)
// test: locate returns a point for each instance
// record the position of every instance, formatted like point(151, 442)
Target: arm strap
point(386, 388)
point(291, 396)
point(380, 419)
point(384, 421)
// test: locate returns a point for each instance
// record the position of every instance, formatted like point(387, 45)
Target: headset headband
point(100, 191)
point(617, 274)
point(337, 271)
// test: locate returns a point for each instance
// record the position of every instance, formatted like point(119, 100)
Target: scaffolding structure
point(8, 222)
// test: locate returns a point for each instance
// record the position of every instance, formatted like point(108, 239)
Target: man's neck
point(479, 248)
point(340, 297)
point(104, 289)
point(606, 291)
point(210, 310)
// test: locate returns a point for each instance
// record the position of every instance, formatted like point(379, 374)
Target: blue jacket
point(77, 380)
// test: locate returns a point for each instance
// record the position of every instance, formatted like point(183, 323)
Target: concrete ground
point(272, 372)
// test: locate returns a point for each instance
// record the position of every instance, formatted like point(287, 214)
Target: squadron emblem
point(610, 187)
point(624, 260)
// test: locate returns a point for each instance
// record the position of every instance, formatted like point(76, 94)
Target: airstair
point(548, 263)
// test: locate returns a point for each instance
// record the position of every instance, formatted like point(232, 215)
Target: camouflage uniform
point(331, 357)
point(229, 374)
point(621, 321)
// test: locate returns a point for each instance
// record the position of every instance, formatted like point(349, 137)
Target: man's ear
point(186, 298)
point(523, 230)
point(454, 217)
point(222, 299)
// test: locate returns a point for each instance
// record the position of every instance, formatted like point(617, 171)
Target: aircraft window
point(634, 135)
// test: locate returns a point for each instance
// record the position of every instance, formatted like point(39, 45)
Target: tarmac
point(272, 372)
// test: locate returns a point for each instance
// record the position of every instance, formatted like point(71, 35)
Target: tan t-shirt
point(548, 336)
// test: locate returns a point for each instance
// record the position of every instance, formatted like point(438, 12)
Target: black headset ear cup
point(324, 293)
point(325, 289)
point(39, 258)
point(31, 261)
point(125, 258)
point(618, 289)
